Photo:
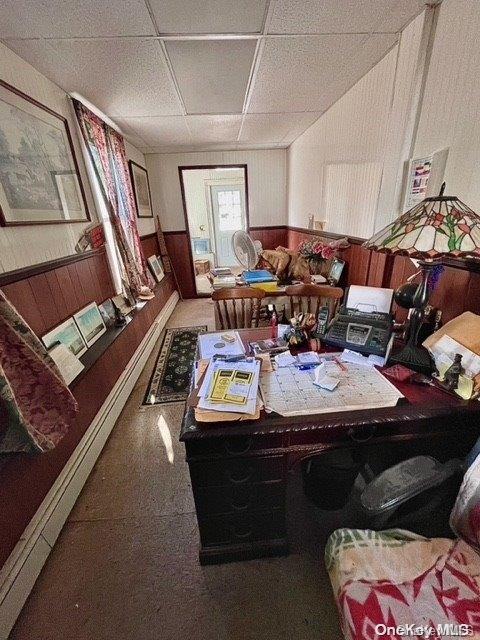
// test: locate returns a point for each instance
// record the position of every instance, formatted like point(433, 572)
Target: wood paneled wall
point(44, 300)
point(178, 247)
point(457, 291)
point(270, 237)
point(150, 245)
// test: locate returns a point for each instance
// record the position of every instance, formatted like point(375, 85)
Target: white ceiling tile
point(212, 75)
point(122, 77)
point(157, 131)
point(342, 16)
point(275, 127)
point(294, 72)
point(70, 18)
point(208, 16)
point(214, 128)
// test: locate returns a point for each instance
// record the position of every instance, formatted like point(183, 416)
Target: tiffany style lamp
point(433, 229)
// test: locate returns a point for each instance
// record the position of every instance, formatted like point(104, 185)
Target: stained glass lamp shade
point(434, 228)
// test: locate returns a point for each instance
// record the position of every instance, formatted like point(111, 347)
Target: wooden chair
point(242, 315)
point(309, 298)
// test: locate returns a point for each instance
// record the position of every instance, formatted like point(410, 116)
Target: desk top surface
point(420, 403)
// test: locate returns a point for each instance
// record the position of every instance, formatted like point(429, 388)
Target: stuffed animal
point(286, 264)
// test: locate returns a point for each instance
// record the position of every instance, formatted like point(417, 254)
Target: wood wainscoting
point(150, 245)
point(46, 295)
point(457, 291)
point(270, 237)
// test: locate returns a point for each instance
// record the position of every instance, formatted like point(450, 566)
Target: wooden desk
point(239, 470)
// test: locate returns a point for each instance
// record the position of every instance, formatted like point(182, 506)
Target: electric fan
point(247, 252)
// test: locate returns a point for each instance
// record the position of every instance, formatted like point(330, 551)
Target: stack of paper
point(227, 344)
point(230, 386)
point(221, 282)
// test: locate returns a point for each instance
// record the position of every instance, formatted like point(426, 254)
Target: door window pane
point(229, 210)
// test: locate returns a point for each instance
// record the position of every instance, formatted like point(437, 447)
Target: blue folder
point(259, 275)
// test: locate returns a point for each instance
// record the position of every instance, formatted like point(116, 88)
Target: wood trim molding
point(27, 272)
point(175, 233)
point(270, 227)
point(327, 234)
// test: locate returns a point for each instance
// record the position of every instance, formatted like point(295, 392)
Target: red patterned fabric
point(386, 581)
point(107, 152)
point(38, 405)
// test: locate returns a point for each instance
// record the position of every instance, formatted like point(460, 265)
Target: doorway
point(215, 199)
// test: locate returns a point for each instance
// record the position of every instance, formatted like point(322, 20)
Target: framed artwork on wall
point(156, 268)
point(141, 190)
point(68, 334)
point(39, 177)
point(90, 323)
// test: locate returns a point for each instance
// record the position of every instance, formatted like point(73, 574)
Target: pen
point(305, 367)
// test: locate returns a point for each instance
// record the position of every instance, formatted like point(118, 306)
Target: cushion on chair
point(396, 578)
point(465, 516)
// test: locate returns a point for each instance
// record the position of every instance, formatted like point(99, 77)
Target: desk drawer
point(233, 446)
point(237, 471)
point(237, 529)
point(239, 499)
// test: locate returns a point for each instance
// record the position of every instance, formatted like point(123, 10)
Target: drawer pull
point(240, 477)
point(240, 506)
point(238, 450)
point(242, 535)
point(369, 433)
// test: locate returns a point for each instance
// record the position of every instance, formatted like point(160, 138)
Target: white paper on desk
point(211, 344)
point(67, 362)
point(308, 357)
point(285, 359)
point(447, 347)
point(369, 299)
point(366, 361)
point(322, 379)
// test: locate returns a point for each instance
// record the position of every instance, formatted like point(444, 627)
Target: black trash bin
point(328, 479)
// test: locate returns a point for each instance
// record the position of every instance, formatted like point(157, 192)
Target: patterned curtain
point(107, 152)
point(36, 406)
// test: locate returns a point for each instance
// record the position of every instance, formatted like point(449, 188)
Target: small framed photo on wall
point(156, 268)
point(141, 190)
point(68, 334)
point(90, 323)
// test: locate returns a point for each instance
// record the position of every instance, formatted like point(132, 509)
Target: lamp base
point(416, 358)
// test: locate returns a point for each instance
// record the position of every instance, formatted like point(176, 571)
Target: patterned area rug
point(170, 379)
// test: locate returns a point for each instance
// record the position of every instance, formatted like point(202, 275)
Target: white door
point(228, 208)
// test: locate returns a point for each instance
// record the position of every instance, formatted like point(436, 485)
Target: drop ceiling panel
point(275, 127)
point(208, 16)
point(214, 128)
point(212, 75)
point(295, 72)
point(157, 131)
point(70, 18)
point(122, 77)
point(342, 16)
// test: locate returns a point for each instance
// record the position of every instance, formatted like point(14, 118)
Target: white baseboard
point(24, 564)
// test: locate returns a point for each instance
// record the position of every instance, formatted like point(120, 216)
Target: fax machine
point(364, 322)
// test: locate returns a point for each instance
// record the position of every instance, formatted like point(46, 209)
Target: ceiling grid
point(179, 75)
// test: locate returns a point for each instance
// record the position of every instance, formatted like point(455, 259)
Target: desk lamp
point(433, 229)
